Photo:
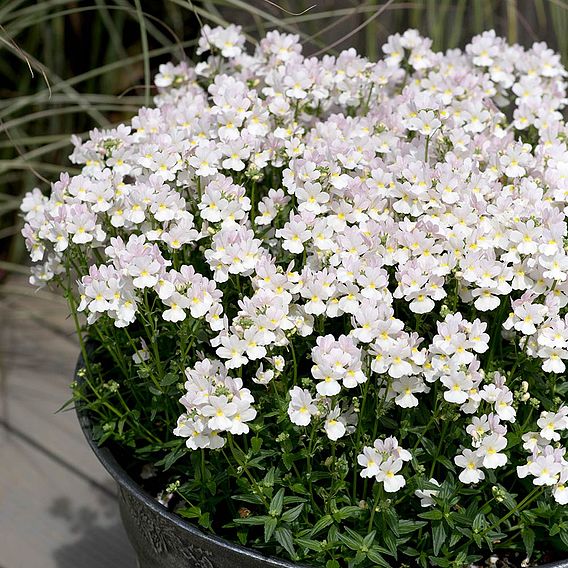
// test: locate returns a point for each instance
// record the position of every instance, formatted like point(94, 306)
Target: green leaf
point(189, 512)
point(332, 564)
point(528, 540)
point(369, 539)
point(276, 504)
point(391, 544)
point(446, 463)
point(454, 539)
point(374, 556)
point(205, 521)
point(359, 559)
point(292, 514)
point(434, 515)
point(308, 543)
point(392, 521)
point(253, 520)
point(284, 537)
point(479, 523)
point(348, 512)
point(211, 486)
point(350, 541)
point(169, 379)
point(288, 460)
point(438, 537)
point(270, 477)
point(269, 528)
point(461, 519)
point(172, 457)
point(406, 526)
point(507, 499)
point(248, 498)
point(256, 444)
point(354, 535)
point(292, 499)
point(429, 446)
point(323, 523)
point(242, 535)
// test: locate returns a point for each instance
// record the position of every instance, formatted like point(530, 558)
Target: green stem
point(310, 465)
point(520, 506)
point(438, 449)
point(233, 447)
point(152, 339)
point(358, 435)
point(294, 360)
point(524, 503)
point(378, 497)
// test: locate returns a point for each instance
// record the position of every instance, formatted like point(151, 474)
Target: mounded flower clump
point(361, 269)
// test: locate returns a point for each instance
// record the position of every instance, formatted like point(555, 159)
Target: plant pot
point(162, 539)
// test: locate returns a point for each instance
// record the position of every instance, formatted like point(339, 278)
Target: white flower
point(425, 122)
point(294, 235)
point(335, 425)
point(263, 377)
point(405, 389)
point(220, 412)
point(458, 385)
point(233, 348)
point(489, 450)
point(425, 495)
point(279, 363)
point(551, 422)
point(328, 382)
point(545, 470)
point(560, 490)
point(371, 461)
point(383, 461)
point(177, 303)
point(503, 406)
point(470, 461)
point(143, 354)
point(532, 441)
point(301, 407)
point(244, 413)
point(387, 475)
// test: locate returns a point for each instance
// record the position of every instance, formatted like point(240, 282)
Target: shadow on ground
point(96, 537)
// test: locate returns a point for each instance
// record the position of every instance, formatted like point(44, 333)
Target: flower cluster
point(215, 403)
point(383, 461)
point(363, 244)
point(546, 463)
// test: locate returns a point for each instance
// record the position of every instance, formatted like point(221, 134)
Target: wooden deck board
point(57, 504)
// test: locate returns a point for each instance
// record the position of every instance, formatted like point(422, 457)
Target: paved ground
point(57, 504)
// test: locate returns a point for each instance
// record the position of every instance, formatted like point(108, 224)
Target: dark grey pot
point(162, 539)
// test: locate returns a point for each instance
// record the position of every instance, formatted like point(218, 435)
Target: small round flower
point(301, 407)
point(471, 463)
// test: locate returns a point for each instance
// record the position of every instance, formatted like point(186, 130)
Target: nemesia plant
point(326, 298)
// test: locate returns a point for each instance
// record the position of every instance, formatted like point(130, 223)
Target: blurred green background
point(68, 66)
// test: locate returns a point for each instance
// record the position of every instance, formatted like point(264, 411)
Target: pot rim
point(118, 473)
